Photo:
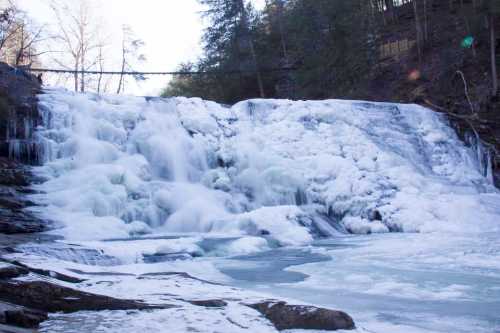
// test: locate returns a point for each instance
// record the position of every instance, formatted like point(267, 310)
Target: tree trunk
point(75, 75)
point(19, 53)
point(99, 80)
point(282, 31)
point(426, 28)
point(419, 31)
point(257, 71)
point(120, 84)
point(493, 55)
point(82, 78)
point(389, 5)
point(245, 27)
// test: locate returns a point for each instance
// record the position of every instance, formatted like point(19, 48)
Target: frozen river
point(377, 209)
point(395, 283)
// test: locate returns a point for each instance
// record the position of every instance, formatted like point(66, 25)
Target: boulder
point(8, 271)
point(50, 297)
point(19, 316)
point(284, 317)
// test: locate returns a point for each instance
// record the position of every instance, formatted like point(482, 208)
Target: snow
point(119, 166)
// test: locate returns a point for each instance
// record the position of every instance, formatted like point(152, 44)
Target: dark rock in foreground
point(49, 297)
point(14, 269)
point(20, 223)
point(284, 317)
point(14, 217)
point(19, 316)
point(19, 114)
point(8, 271)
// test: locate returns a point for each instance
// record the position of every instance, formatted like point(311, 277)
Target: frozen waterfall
point(273, 169)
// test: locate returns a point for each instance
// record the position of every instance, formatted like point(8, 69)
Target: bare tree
point(100, 63)
point(8, 27)
point(131, 54)
point(77, 39)
point(28, 39)
point(20, 37)
point(8, 15)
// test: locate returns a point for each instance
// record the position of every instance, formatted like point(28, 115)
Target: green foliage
point(331, 42)
point(327, 40)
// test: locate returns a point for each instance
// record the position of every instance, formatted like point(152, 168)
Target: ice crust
point(279, 170)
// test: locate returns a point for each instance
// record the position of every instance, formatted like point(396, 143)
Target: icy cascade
point(121, 166)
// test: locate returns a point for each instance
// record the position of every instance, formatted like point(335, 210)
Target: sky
point(171, 30)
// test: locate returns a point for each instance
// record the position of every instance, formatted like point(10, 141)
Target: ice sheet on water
point(119, 166)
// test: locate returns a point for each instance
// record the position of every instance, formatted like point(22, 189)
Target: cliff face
point(18, 114)
point(18, 119)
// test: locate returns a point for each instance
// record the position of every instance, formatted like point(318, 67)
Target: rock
point(8, 271)
point(19, 117)
point(20, 222)
point(209, 303)
point(14, 218)
point(284, 316)
point(24, 269)
point(20, 316)
point(50, 297)
point(18, 114)
point(12, 329)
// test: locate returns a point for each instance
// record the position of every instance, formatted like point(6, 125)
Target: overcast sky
point(171, 29)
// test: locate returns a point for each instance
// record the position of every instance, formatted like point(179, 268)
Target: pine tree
point(229, 47)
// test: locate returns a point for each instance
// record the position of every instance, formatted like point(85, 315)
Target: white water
point(265, 174)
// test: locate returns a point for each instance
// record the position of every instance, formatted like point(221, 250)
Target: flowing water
point(373, 208)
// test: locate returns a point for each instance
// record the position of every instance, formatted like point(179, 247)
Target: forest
point(398, 50)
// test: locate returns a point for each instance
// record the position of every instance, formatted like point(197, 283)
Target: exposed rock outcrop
point(49, 297)
point(13, 269)
point(19, 316)
point(8, 271)
point(19, 118)
point(284, 317)
point(18, 114)
point(14, 216)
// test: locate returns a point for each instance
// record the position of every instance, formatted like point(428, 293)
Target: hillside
point(439, 83)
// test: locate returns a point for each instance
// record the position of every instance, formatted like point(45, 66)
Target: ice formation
point(281, 170)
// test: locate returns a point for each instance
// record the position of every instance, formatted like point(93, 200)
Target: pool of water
point(389, 283)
